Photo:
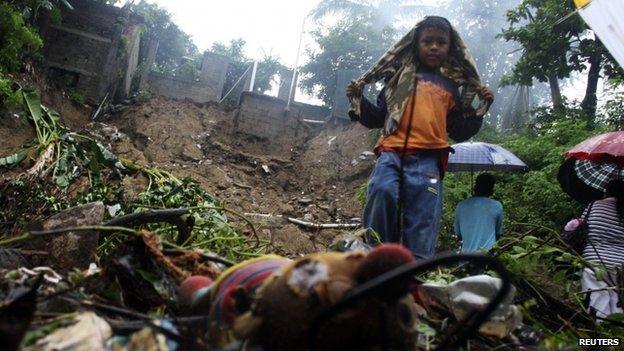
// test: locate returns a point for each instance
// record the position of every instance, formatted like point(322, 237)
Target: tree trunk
point(555, 91)
point(595, 64)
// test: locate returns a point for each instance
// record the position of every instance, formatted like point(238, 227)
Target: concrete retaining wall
point(208, 88)
point(88, 44)
point(265, 117)
point(176, 88)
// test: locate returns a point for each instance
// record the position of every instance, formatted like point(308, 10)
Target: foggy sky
point(270, 25)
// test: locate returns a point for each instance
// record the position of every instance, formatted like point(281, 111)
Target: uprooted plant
point(59, 157)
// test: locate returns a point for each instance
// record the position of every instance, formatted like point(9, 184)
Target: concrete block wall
point(80, 55)
point(213, 70)
point(208, 88)
point(284, 84)
point(87, 43)
point(265, 117)
point(132, 33)
point(177, 88)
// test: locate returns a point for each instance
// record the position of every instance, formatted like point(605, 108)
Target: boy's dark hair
point(484, 185)
point(615, 188)
point(436, 22)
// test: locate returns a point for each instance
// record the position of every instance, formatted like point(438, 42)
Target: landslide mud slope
point(316, 180)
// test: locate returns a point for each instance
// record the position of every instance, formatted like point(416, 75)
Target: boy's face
point(433, 47)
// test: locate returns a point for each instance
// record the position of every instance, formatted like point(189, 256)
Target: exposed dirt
point(315, 181)
point(15, 129)
point(74, 115)
point(14, 133)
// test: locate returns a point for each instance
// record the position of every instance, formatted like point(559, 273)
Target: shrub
point(16, 40)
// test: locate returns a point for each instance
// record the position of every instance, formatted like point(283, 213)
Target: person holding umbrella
point(419, 107)
point(604, 248)
point(594, 167)
point(479, 219)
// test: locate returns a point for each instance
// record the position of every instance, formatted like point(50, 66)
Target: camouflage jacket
point(398, 67)
point(458, 126)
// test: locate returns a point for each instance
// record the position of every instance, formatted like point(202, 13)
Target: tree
point(238, 62)
point(17, 39)
point(381, 13)
point(177, 54)
point(354, 43)
point(269, 66)
point(30, 9)
point(477, 22)
point(554, 49)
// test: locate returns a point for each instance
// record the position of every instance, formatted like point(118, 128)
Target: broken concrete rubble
point(74, 249)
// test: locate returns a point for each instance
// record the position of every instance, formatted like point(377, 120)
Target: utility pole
point(293, 81)
point(252, 81)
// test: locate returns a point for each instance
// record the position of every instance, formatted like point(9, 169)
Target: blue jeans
point(422, 201)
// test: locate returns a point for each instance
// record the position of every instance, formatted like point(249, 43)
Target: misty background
point(339, 40)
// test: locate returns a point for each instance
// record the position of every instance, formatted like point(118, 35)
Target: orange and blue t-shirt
point(437, 114)
point(435, 96)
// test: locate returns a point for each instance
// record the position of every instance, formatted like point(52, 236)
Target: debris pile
point(139, 232)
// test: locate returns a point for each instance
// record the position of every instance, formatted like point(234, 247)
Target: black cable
point(456, 336)
point(400, 216)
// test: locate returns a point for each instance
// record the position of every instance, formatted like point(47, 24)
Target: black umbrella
point(572, 185)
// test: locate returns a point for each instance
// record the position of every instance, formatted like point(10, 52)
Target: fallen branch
point(99, 109)
point(207, 257)
point(322, 225)
point(305, 223)
point(244, 186)
point(263, 215)
point(171, 216)
point(36, 233)
point(218, 208)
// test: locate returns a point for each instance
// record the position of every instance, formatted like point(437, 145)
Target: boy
point(417, 108)
point(479, 219)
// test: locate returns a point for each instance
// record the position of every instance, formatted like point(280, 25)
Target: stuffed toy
point(271, 302)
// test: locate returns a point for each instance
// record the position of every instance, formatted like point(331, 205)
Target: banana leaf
point(33, 102)
point(106, 157)
point(64, 170)
point(15, 159)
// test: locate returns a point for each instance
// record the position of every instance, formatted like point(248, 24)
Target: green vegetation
point(68, 158)
point(18, 39)
point(77, 97)
point(177, 55)
point(554, 49)
point(353, 43)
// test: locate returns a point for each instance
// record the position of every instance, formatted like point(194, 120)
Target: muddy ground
point(315, 181)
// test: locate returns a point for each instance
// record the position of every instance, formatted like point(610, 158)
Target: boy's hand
point(485, 93)
point(355, 88)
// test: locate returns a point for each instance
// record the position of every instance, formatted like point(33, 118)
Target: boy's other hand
point(355, 88)
point(485, 93)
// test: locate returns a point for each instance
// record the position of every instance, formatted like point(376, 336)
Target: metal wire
point(456, 336)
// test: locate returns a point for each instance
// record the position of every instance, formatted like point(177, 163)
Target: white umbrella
point(477, 156)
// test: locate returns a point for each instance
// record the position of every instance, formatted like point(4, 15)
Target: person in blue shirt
point(479, 219)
